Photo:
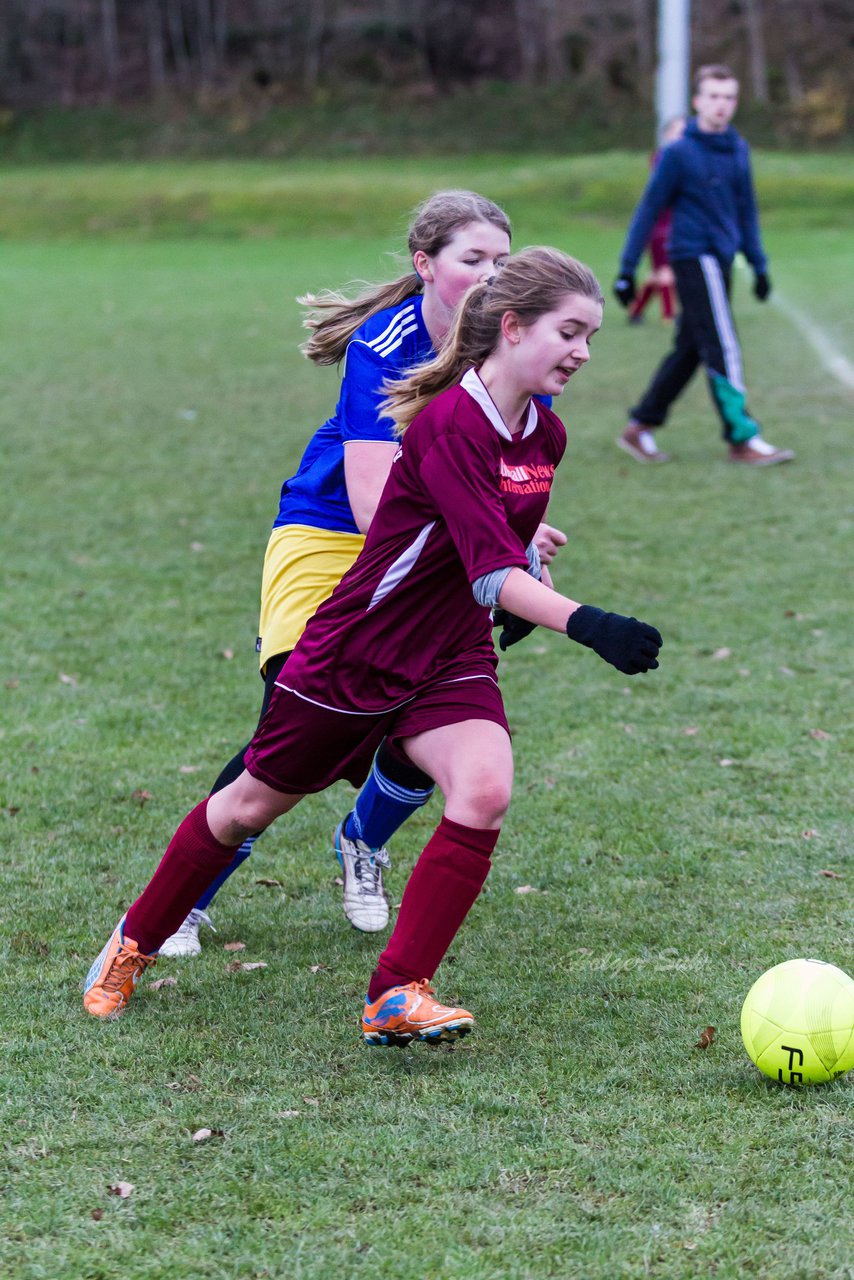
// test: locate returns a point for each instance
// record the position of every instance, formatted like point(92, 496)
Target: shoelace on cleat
point(197, 917)
point(125, 963)
point(368, 872)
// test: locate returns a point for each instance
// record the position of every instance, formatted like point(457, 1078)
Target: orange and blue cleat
point(406, 1013)
point(110, 982)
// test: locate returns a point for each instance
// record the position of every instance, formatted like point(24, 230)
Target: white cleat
point(184, 942)
point(365, 900)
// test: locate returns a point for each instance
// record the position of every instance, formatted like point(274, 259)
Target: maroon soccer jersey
point(464, 498)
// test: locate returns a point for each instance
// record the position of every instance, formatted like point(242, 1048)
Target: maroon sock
point(190, 865)
point(439, 895)
point(639, 304)
point(668, 301)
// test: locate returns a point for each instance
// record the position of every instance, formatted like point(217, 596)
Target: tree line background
point(792, 56)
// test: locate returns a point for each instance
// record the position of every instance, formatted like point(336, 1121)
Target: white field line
point(824, 347)
point(822, 344)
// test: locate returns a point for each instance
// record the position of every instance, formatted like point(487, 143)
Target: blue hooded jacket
point(705, 179)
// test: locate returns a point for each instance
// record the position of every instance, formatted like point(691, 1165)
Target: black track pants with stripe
point(705, 334)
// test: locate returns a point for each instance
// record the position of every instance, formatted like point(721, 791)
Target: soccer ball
point(797, 1022)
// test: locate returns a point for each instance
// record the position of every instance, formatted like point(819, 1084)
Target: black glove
point(624, 289)
point(628, 645)
point(513, 629)
point(761, 286)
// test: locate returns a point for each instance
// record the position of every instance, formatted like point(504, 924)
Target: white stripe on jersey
point(722, 317)
point(404, 563)
point(404, 317)
point(327, 706)
point(396, 339)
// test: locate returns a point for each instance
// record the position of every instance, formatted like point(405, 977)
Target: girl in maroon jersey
point(403, 649)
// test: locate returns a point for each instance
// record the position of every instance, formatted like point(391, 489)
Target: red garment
point(439, 894)
point(464, 498)
point(192, 862)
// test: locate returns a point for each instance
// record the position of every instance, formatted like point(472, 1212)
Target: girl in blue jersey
point(456, 239)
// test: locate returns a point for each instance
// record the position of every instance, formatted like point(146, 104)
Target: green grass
point(258, 200)
point(153, 401)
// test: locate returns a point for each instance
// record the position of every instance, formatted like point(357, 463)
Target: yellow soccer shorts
point(302, 567)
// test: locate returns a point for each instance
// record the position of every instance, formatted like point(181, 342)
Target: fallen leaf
point(810, 833)
point(821, 734)
point(236, 966)
point(202, 1135)
point(121, 1189)
point(818, 631)
point(234, 946)
point(228, 654)
point(97, 1214)
point(549, 783)
point(720, 654)
point(271, 884)
point(725, 763)
point(525, 888)
point(787, 671)
point(197, 546)
point(316, 968)
point(690, 730)
point(66, 679)
point(286, 1115)
point(338, 881)
point(312, 1102)
point(707, 1038)
point(141, 796)
point(189, 768)
point(628, 728)
point(13, 684)
point(191, 1084)
point(832, 875)
point(171, 981)
point(253, 964)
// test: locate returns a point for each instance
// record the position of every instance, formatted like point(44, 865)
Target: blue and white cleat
point(365, 898)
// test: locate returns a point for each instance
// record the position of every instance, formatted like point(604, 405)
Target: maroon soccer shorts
point(301, 748)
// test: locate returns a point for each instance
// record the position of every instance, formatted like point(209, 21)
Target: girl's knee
point(489, 801)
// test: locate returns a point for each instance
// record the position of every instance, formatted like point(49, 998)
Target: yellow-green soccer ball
point(797, 1022)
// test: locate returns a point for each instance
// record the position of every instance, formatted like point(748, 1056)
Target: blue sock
point(242, 854)
point(381, 808)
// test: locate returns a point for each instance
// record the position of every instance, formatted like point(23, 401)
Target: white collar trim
point(471, 383)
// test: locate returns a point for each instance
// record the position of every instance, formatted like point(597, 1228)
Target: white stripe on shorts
point(722, 316)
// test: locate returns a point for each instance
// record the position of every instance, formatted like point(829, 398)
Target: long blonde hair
point(334, 317)
point(532, 283)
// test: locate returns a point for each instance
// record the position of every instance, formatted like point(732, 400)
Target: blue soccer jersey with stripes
point(382, 349)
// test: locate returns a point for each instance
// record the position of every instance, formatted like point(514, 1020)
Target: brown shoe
point(639, 441)
point(759, 453)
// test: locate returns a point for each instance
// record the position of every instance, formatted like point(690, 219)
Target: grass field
point(677, 831)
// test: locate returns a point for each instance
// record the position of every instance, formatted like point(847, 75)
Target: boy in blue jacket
point(705, 179)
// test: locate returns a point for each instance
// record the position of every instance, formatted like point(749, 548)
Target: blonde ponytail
point(335, 317)
point(470, 339)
